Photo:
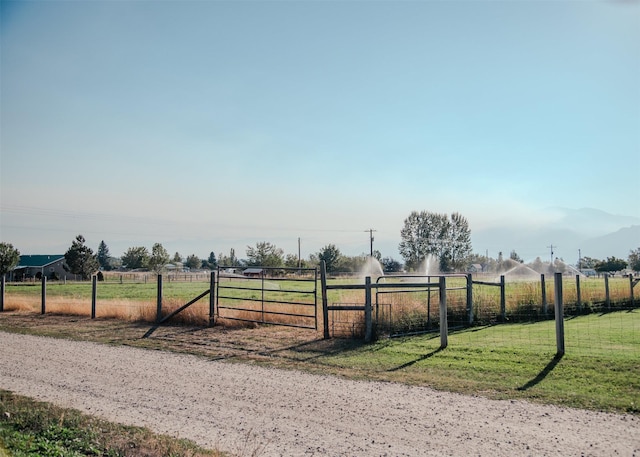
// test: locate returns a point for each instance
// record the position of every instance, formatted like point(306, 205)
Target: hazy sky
point(210, 125)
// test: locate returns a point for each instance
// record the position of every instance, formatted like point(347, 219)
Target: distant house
point(37, 266)
point(475, 268)
point(253, 272)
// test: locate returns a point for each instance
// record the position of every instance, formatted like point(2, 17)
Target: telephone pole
point(371, 239)
point(551, 247)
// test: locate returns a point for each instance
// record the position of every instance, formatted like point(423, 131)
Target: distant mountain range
point(595, 233)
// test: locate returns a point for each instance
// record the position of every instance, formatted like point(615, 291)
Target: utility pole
point(551, 247)
point(371, 239)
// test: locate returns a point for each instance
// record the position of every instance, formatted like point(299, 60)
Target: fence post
point(94, 295)
point(368, 330)
point(503, 300)
point(469, 299)
point(3, 285)
point(159, 300)
point(444, 327)
point(325, 305)
point(606, 291)
point(578, 294)
point(543, 285)
point(43, 295)
point(633, 302)
point(212, 301)
point(559, 314)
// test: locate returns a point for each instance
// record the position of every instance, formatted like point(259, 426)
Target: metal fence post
point(469, 299)
point(212, 301)
point(3, 285)
point(543, 286)
point(159, 300)
point(368, 324)
point(503, 300)
point(325, 309)
point(559, 314)
point(444, 328)
point(43, 295)
point(94, 295)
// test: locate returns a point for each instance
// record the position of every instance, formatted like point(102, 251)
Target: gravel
point(251, 410)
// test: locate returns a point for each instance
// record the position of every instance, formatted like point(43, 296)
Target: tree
point(193, 262)
point(390, 265)
point(611, 265)
point(135, 257)
point(212, 261)
point(447, 238)
point(80, 259)
point(265, 254)
point(159, 258)
point(177, 258)
point(514, 256)
point(103, 256)
point(331, 256)
point(587, 262)
point(9, 258)
point(634, 259)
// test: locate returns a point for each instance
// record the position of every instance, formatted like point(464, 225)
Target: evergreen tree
point(103, 256)
point(80, 259)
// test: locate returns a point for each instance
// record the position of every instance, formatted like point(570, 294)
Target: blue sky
point(210, 125)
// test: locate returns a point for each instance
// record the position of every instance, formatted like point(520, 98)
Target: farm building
point(35, 266)
point(253, 272)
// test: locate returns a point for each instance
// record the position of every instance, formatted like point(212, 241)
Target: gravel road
point(251, 410)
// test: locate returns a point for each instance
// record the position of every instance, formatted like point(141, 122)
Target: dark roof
point(38, 260)
point(252, 271)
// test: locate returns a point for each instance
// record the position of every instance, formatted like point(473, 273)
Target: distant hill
point(595, 233)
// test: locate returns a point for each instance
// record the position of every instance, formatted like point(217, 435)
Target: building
point(33, 267)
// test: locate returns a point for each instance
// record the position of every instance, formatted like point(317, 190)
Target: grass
point(29, 427)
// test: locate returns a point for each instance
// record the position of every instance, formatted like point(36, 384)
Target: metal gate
point(267, 295)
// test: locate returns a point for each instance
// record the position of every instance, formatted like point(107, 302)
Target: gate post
point(503, 300)
point(559, 315)
point(3, 285)
point(469, 299)
point(212, 302)
point(159, 300)
point(367, 310)
point(94, 295)
point(43, 295)
point(444, 327)
point(325, 309)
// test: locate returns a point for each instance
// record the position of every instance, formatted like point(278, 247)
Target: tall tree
point(331, 256)
point(425, 233)
point(103, 256)
point(9, 258)
point(135, 257)
point(212, 261)
point(611, 265)
point(177, 257)
point(265, 254)
point(159, 258)
point(80, 259)
point(634, 259)
point(193, 262)
point(390, 265)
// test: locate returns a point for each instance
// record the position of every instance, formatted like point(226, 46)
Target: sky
point(212, 125)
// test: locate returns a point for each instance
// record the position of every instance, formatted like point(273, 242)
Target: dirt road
point(251, 410)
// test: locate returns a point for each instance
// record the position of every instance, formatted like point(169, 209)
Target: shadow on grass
point(412, 362)
point(543, 374)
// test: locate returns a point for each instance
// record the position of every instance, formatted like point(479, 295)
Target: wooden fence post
point(631, 284)
point(325, 309)
point(469, 299)
point(543, 286)
point(578, 294)
point(159, 300)
point(94, 295)
point(212, 300)
point(3, 285)
point(559, 314)
point(368, 324)
point(43, 295)
point(444, 327)
point(606, 291)
point(503, 300)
